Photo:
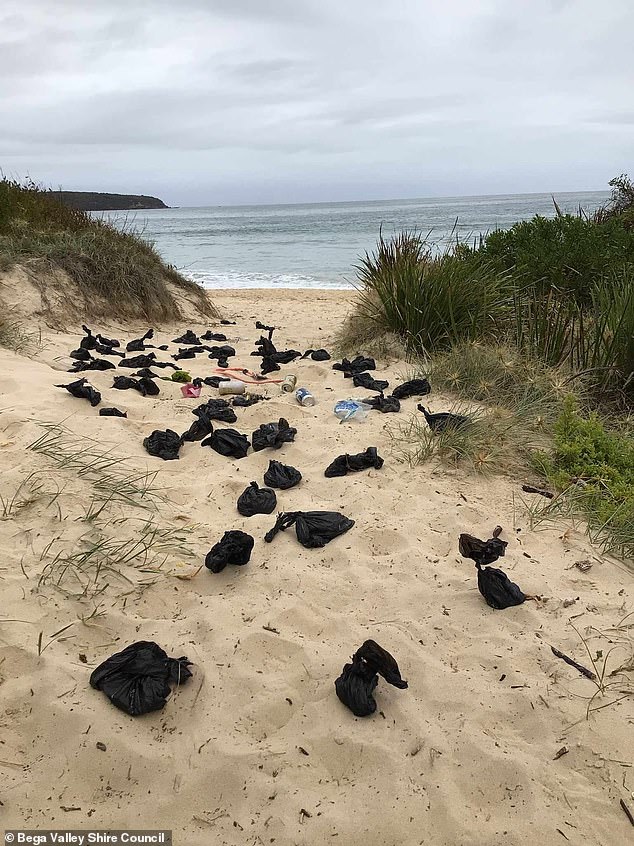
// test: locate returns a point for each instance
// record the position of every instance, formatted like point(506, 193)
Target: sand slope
point(257, 749)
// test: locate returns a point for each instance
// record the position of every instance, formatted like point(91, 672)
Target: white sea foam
point(237, 279)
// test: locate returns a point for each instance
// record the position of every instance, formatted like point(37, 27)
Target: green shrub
point(117, 274)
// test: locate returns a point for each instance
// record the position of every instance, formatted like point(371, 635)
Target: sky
point(213, 102)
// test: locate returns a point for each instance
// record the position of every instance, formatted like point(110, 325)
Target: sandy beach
point(256, 748)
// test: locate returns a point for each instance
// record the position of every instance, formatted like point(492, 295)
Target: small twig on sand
point(628, 813)
point(583, 670)
point(271, 629)
point(540, 491)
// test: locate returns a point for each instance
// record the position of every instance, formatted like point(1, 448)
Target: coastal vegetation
point(113, 273)
point(535, 325)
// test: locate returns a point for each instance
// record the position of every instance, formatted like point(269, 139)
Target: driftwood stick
point(540, 491)
point(628, 813)
point(583, 670)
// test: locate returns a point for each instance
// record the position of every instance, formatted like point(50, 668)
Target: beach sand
point(256, 748)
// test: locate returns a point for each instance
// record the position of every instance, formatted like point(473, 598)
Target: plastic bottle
point(233, 386)
point(350, 409)
point(304, 397)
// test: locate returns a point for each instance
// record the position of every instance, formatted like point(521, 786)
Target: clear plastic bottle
point(351, 409)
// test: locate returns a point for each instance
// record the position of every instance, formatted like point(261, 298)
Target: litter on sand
point(165, 445)
point(256, 500)
point(108, 342)
point(384, 404)
point(497, 589)
point(187, 338)
point(245, 400)
point(112, 412)
point(357, 365)
point(235, 547)
point(273, 435)
point(350, 409)
point(317, 355)
point(356, 685)
point(82, 390)
point(137, 680)
point(281, 476)
point(190, 391)
point(314, 529)
point(482, 552)
point(199, 429)
point(364, 380)
point(444, 420)
point(228, 442)
point(345, 463)
point(92, 364)
point(90, 341)
point(412, 388)
point(213, 336)
point(217, 409)
point(138, 344)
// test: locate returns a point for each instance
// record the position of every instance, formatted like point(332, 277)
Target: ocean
point(316, 245)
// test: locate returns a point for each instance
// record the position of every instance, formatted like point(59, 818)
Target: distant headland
point(93, 201)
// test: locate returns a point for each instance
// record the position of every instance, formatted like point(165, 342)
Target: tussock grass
point(116, 274)
point(13, 335)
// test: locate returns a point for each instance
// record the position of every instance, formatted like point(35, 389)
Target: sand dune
point(256, 748)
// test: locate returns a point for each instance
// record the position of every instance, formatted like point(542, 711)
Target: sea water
point(316, 245)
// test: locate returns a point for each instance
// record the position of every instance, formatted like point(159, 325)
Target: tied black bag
point(89, 342)
point(228, 442)
point(91, 364)
point(256, 500)
point(137, 680)
point(187, 338)
point(318, 355)
point(444, 420)
point(497, 589)
point(81, 390)
point(112, 412)
point(234, 548)
point(364, 380)
point(357, 365)
point(273, 435)
point(314, 529)
point(217, 409)
point(356, 684)
point(383, 404)
point(482, 552)
point(281, 476)
point(413, 388)
point(163, 445)
point(138, 345)
point(344, 464)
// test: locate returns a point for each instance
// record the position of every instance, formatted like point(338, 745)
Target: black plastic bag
point(364, 380)
point(163, 445)
point(314, 529)
point(108, 342)
point(124, 383)
point(92, 364)
point(317, 355)
point(263, 328)
point(199, 429)
point(102, 349)
point(187, 338)
point(498, 590)
point(344, 464)
point(146, 373)
point(90, 341)
point(383, 404)
point(245, 400)
point(356, 684)
point(213, 336)
point(228, 322)
point(185, 353)
point(256, 500)
point(234, 548)
point(138, 345)
point(357, 365)
point(148, 387)
point(112, 412)
point(80, 354)
point(265, 346)
point(413, 388)
point(82, 390)
point(482, 552)
point(147, 360)
point(228, 442)
point(269, 366)
point(211, 381)
point(223, 352)
point(444, 420)
point(161, 364)
point(217, 409)
point(281, 476)
point(273, 435)
point(285, 356)
point(137, 680)
point(355, 688)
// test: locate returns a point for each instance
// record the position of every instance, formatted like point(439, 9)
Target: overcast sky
point(207, 102)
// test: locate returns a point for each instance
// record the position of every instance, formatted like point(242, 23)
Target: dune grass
point(115, 274)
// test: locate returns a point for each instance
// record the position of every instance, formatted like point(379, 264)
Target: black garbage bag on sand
point(269, 366)
point(314, 529)
point(234, 548)
point(80, 354)
point(82, 390)
point(364, 380)
point(103, 349)
point(265, 347)
point(211, 381)
point(317, 355)
point(163, 445)
point(413, 388)
point(147, 360)
point(256, 500)
point(356, 684)
point(137, 680)
point(273, 435)
point(108, 342)
point(146, 373)
point(198, 430)
point(184, 353)
point(187, 338)
point(245, 400)
point(124, 383)
point(383, 404)
point(223, 352)
point(263, 328)
point(228, 442)
point(112, 412)
point(444, 420)
point(213, 336)
point(498, 590)
point(281, 476)
point(92, 364)
point(138, 344)
point(345, 463)
point(225, 322)
point(482, 552)
point(285, 356)
point(357, 365)
point(147, 387)
point(217, 409)
point(90, 341)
